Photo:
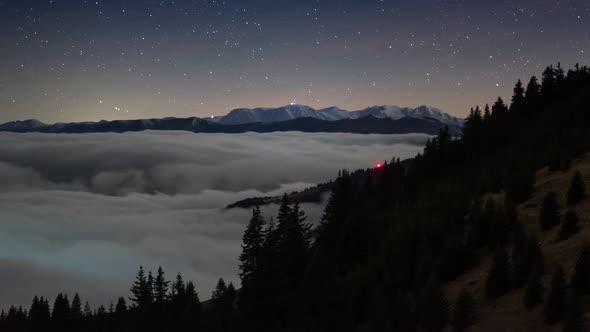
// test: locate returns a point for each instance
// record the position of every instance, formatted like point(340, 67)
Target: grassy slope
point(507, 313)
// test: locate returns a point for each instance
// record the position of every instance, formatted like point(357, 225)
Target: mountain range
point(294, 111)
point(372, 120)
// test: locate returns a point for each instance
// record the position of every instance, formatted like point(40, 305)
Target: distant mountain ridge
point(373, 120)
point(294, 111)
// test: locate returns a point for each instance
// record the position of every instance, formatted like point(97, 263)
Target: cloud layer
point(82, 212)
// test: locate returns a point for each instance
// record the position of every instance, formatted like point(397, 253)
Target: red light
point(378, 165)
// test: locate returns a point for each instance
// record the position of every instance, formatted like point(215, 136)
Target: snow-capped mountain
point(285, 113)
point(290, 112)
point(396, 113)
point(22, 125)
point(372, 120)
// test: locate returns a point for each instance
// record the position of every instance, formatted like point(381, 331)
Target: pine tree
point(76, 307)
point(549, 215)
point(192, 296)
point(569, 225)
point(178, 289)
point(548, 82)
point(517, 98)
point(160, 286)
point(293, 241)
point(230, 293)
point(554, 309)
point(39, 313)
point(433, 308)
point(533, 91)
point(527, 258)
point(111, 308)
point(141, 289)
point(335, 215)
point(499, 110)
point(220, 290)
point(464, 313)
point(285, 211)
point(269, 254)
point(61, 311)
point(577, 189)
point(575, 321)
point(121, 307)
point(559, 75)
point(487, 114)
point(252, 242)
point(533, 294)
point(150, 288)
point(581, 277)
point(498, 281)
point(87, 310)
point(192, 310)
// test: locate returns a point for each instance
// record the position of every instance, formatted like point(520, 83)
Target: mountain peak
point(333, 113)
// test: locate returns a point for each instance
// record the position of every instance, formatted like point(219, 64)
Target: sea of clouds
point(82, 212)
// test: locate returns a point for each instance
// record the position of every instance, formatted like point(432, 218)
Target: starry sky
point(74, 60)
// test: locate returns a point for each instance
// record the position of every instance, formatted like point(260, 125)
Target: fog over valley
point(82, 212)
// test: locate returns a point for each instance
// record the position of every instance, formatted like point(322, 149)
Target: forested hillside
point(487, 230)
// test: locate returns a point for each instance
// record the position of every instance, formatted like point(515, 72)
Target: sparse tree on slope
point(549, 215)
point(569, 225)
point(433, 308)
point(577, 189)
point(554, 309)
point(464, 313)
point(581, 277)
point(499, 275)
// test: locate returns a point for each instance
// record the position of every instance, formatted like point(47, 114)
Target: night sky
point(66, 60)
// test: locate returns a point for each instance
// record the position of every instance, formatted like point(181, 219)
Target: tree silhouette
point(293, 243)
point(252, 242)
point(220, 290)
point(160, 286)
point(569, 225)
point(464, 313)
point(433, 308)
point(548, 82)
point(527, 258)
point(498, 281)
point(549, 215)
point(556, 300)
point(533, 294)
point(141, 290)
point(575, 321)
point(87, 310)
point(39, 314)
point(577, 189)
point(532, 95)
point(76, 307)
point(581, 277)
point(178, 289)
point(60, 314)
point(517, 98)
point(121, 307)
